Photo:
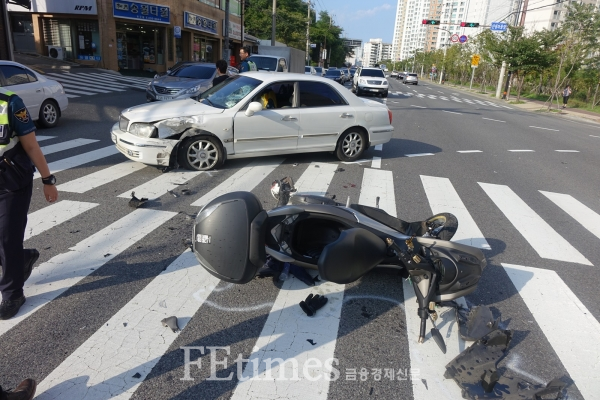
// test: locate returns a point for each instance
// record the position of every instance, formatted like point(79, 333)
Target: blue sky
point(362, 19)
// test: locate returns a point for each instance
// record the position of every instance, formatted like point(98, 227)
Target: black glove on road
point(312, 304)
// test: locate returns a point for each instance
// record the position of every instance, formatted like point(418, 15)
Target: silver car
point(411, 78)
point(184, 80)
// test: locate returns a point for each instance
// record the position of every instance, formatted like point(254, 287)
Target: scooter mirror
point(253, 107)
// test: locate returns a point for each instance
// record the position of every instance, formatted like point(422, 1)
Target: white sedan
point(44, 98)
point(253, 114)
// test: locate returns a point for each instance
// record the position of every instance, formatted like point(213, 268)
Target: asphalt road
point(527, 182)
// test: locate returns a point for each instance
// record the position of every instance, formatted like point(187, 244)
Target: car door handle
point(289, 118)
point(346, 115)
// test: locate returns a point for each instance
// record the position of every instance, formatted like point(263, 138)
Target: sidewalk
point(531, 105)
point(43, 64)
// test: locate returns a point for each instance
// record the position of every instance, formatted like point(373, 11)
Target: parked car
point(335, 75)
point(310, 70)
point(370, 80)
point(184, 80)
point(253, 114)
point(401, 75)
point(44, 98)
point(347, 74)
point(320, 71)
point(411, 78)
point(394, 74)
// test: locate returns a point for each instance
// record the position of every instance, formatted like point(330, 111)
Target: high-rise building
point(548, 14)
point(375, 51)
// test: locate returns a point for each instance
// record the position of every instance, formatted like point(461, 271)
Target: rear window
point(264, 63)
point(335, 72)
point(372, 72)
point(306, 69)
point(415, 75)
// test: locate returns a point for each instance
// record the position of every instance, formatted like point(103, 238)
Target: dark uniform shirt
point(19, 119)
point(219, 79)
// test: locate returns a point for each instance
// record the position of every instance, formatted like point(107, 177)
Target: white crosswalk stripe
point(140, 345)
point(92, 83)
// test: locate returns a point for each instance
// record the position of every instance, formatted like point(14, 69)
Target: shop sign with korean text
point(141, 11)
point(235, 30)
point(199, 23)
point(87, 7)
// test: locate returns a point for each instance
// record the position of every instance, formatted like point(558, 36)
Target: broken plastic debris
point(311, 341)
point(340, 170)
point(171, 322)
point(186, 192)
point(295, 164)
point(137, 375)
point(125, 324)
point(135, 202)
point(106, 255)
point(312, 304)
point(187, 243)
point(173, 193)
point(317, 166)
point(480, 322)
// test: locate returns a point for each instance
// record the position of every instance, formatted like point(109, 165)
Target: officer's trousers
point(13, 221)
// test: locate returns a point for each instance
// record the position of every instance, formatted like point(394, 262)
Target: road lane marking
point(70, 96)
point(57, 275)
point(440, 92)
point(280, 337)
point(442, 197)
point(184, 285)
point(102, 177)
point(540, 235)
point(418, 155)
point(469, 151)
point(376, 162)
point(69, 144)
point(412, 105)
point(546, 129)
point(560, 314)
point(70, 87)
point(595, 136)
point(378, 183)
point(54, 215)
point(506, 107)
point(490, 119)
point(379, 147)
point(567, 151)
point(75, 161)
point(577, 210)
point(110, 81)
point(522, 151)
point(452, 112)
point(73, 78)
point(42, 137)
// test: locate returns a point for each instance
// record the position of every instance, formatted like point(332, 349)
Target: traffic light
point(469, 24)
point(431, 22)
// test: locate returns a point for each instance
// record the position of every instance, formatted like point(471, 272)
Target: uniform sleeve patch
point(22, 115)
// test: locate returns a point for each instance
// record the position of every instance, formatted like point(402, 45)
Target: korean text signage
point(235, 30)
point(199, 23)
point(89, 58)
point(87, 7)
point(141, 11)
point(499, 26)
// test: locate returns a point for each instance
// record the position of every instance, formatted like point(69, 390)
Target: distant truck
point(279, 58)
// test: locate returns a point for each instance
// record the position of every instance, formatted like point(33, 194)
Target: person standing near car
point(566, 94)
point(19, 153)
point(246, 65)
point(221, 72)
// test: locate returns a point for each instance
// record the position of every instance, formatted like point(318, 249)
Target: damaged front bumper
point(149, 151)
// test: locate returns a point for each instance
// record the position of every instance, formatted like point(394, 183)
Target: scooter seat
point(353, 254)
point(381, 216)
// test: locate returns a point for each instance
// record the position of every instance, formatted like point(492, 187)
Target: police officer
point(246, 65)
point(19, 152)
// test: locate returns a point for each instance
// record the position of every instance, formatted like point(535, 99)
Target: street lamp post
point(444, 60)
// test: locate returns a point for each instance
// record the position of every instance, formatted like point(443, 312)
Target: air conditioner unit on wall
point(56, 52)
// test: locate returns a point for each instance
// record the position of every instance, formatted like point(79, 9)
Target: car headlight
point(363, 81)
point(385, 83)
point(143, 130)
point(193, 90)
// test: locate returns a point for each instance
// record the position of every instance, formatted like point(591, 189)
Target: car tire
point(49, 114)
point(200, 153)
point(385, 94)
point(351, 145)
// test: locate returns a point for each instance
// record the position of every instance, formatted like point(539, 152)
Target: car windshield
point(353, 70)
point(230, 92)
point(319, 70)
point(264, 63)
point(335, 72)
point(372, 72)
point(194, 71)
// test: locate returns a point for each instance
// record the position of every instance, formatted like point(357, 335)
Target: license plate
point(374, 90)
point(164, 97)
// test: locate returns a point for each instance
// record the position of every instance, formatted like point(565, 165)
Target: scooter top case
point(228, 237)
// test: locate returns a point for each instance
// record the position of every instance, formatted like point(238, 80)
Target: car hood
point(179, 82)
point(157, 111)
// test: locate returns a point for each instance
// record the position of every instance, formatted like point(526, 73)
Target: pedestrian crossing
point(117, 358)
point(80, 84)
point(453, 98)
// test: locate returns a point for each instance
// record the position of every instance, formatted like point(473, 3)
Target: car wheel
point(385, 94)
point(351, 145)
point(49, 114)
point(200, 153)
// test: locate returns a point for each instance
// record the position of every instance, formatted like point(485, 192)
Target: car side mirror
point(253, 107)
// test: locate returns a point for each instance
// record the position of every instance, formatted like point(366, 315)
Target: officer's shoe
point(25, 391)
point(30, 256)
point(9, 308)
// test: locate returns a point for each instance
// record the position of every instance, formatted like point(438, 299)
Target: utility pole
point(7, 46)
point(226, 40)
point(500, 79)
point(325, 46)
point(307, 35)
point(273, 24)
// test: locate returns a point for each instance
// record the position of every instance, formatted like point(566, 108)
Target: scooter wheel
point(449, 223)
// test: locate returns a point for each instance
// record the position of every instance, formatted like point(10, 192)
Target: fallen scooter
point(233, 235)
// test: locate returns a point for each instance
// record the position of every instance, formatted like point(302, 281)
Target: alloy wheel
point(352, 144)
point(202, 155)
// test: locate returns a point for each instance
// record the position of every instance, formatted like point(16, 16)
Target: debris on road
point(171, 322)
point(135, 202)
point(312, 304)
